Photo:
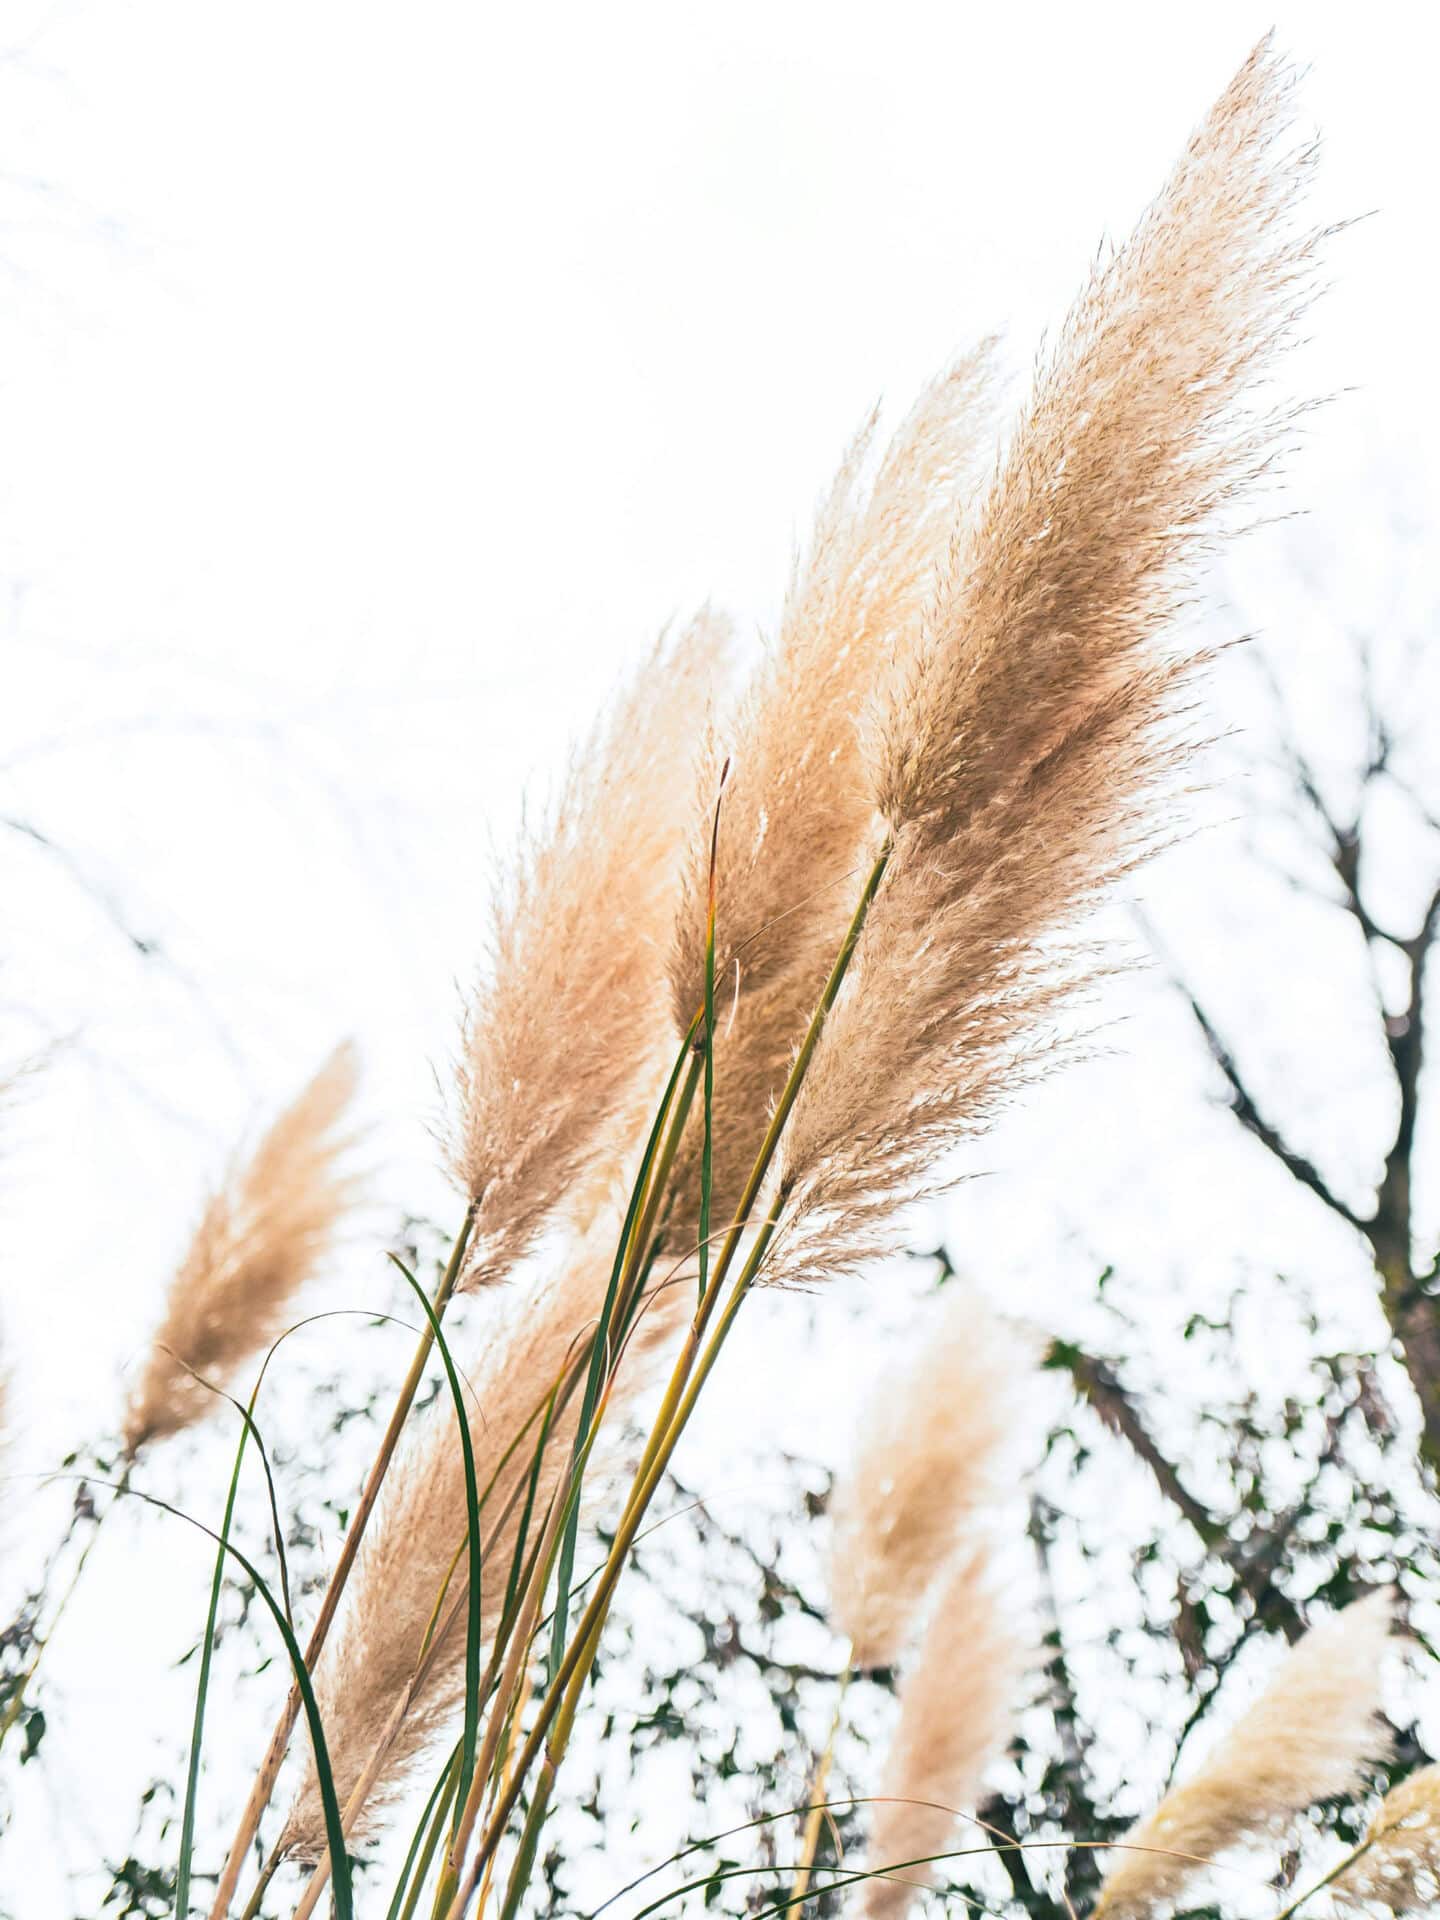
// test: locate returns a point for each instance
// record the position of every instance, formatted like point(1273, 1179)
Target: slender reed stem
point(262, 1885)
point(275, 1753)
point(438, 1627)
point(707, 1151)
point(769, 1146)
point(1319, 1886)
point(645, 1200)
point(585, 1649)
point(626, 1285)
point(443, 1618)
point(503, 1773)
point(815, 1812)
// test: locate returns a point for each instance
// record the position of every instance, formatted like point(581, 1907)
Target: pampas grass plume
point(1399, 1870)
point(797, 812)
point(938, 1433)
point(1018, 750)
point(959, 1701)
point(559, 1057)
point(263, 1233)
point(1310, 1735)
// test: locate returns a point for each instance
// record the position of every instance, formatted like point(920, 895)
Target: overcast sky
point(376, 381)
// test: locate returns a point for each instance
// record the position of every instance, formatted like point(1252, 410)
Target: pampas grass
point(1017, 748)
point(263, 1234)
point(963, 735)
point(939, 1432)
point(959, 1701)
point(796, 807)
point(1397, 1866)
point(558, 1060)
point(1016, 742)
point(913, 1549)
point(1311, 1734)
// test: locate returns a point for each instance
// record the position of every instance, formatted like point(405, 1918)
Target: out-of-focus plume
point(1311, 1734)
point(1399, 1868)
point(936, 1437)
point(264, 1232)
point(959, 1702)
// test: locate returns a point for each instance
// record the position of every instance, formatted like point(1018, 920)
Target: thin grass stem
point(262, 1885)
point(1319, 1886)
point(815, 1812)
point(649, 1186)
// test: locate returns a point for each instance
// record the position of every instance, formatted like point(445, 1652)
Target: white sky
point(374, 382)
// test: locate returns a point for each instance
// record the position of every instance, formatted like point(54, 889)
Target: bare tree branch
point(108, 905)
point(1100, 1388)
point(1247, 1110)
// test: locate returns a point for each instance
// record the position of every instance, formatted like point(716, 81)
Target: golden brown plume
point(1018, 752)
point(262, 1235)
point(562, 1045)
point(1309, 1735)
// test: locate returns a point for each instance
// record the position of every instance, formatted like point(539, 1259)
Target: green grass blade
point(276, 1529)
point(794, 1902)
point(432, 1817)
point(248, 1431)
point(517, 1559)
point(202, 1688)
point(525, 1859)
point(334, 1831)
point(470, 1738)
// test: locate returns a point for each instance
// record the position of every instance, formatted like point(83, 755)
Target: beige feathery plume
point(1017, 752)
point(796, 806)
point(959, 1701)
point(936, 1438)
point(1399, 1870)
point(1310, 1735)
point(561, 1043)
point(420, 1523)
point(262, 1235)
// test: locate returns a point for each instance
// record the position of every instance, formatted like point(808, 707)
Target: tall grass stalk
point(815, 1812)
point(525, 1561)
point(207, 1644)
point(466, 1762)
point(687, 1378)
